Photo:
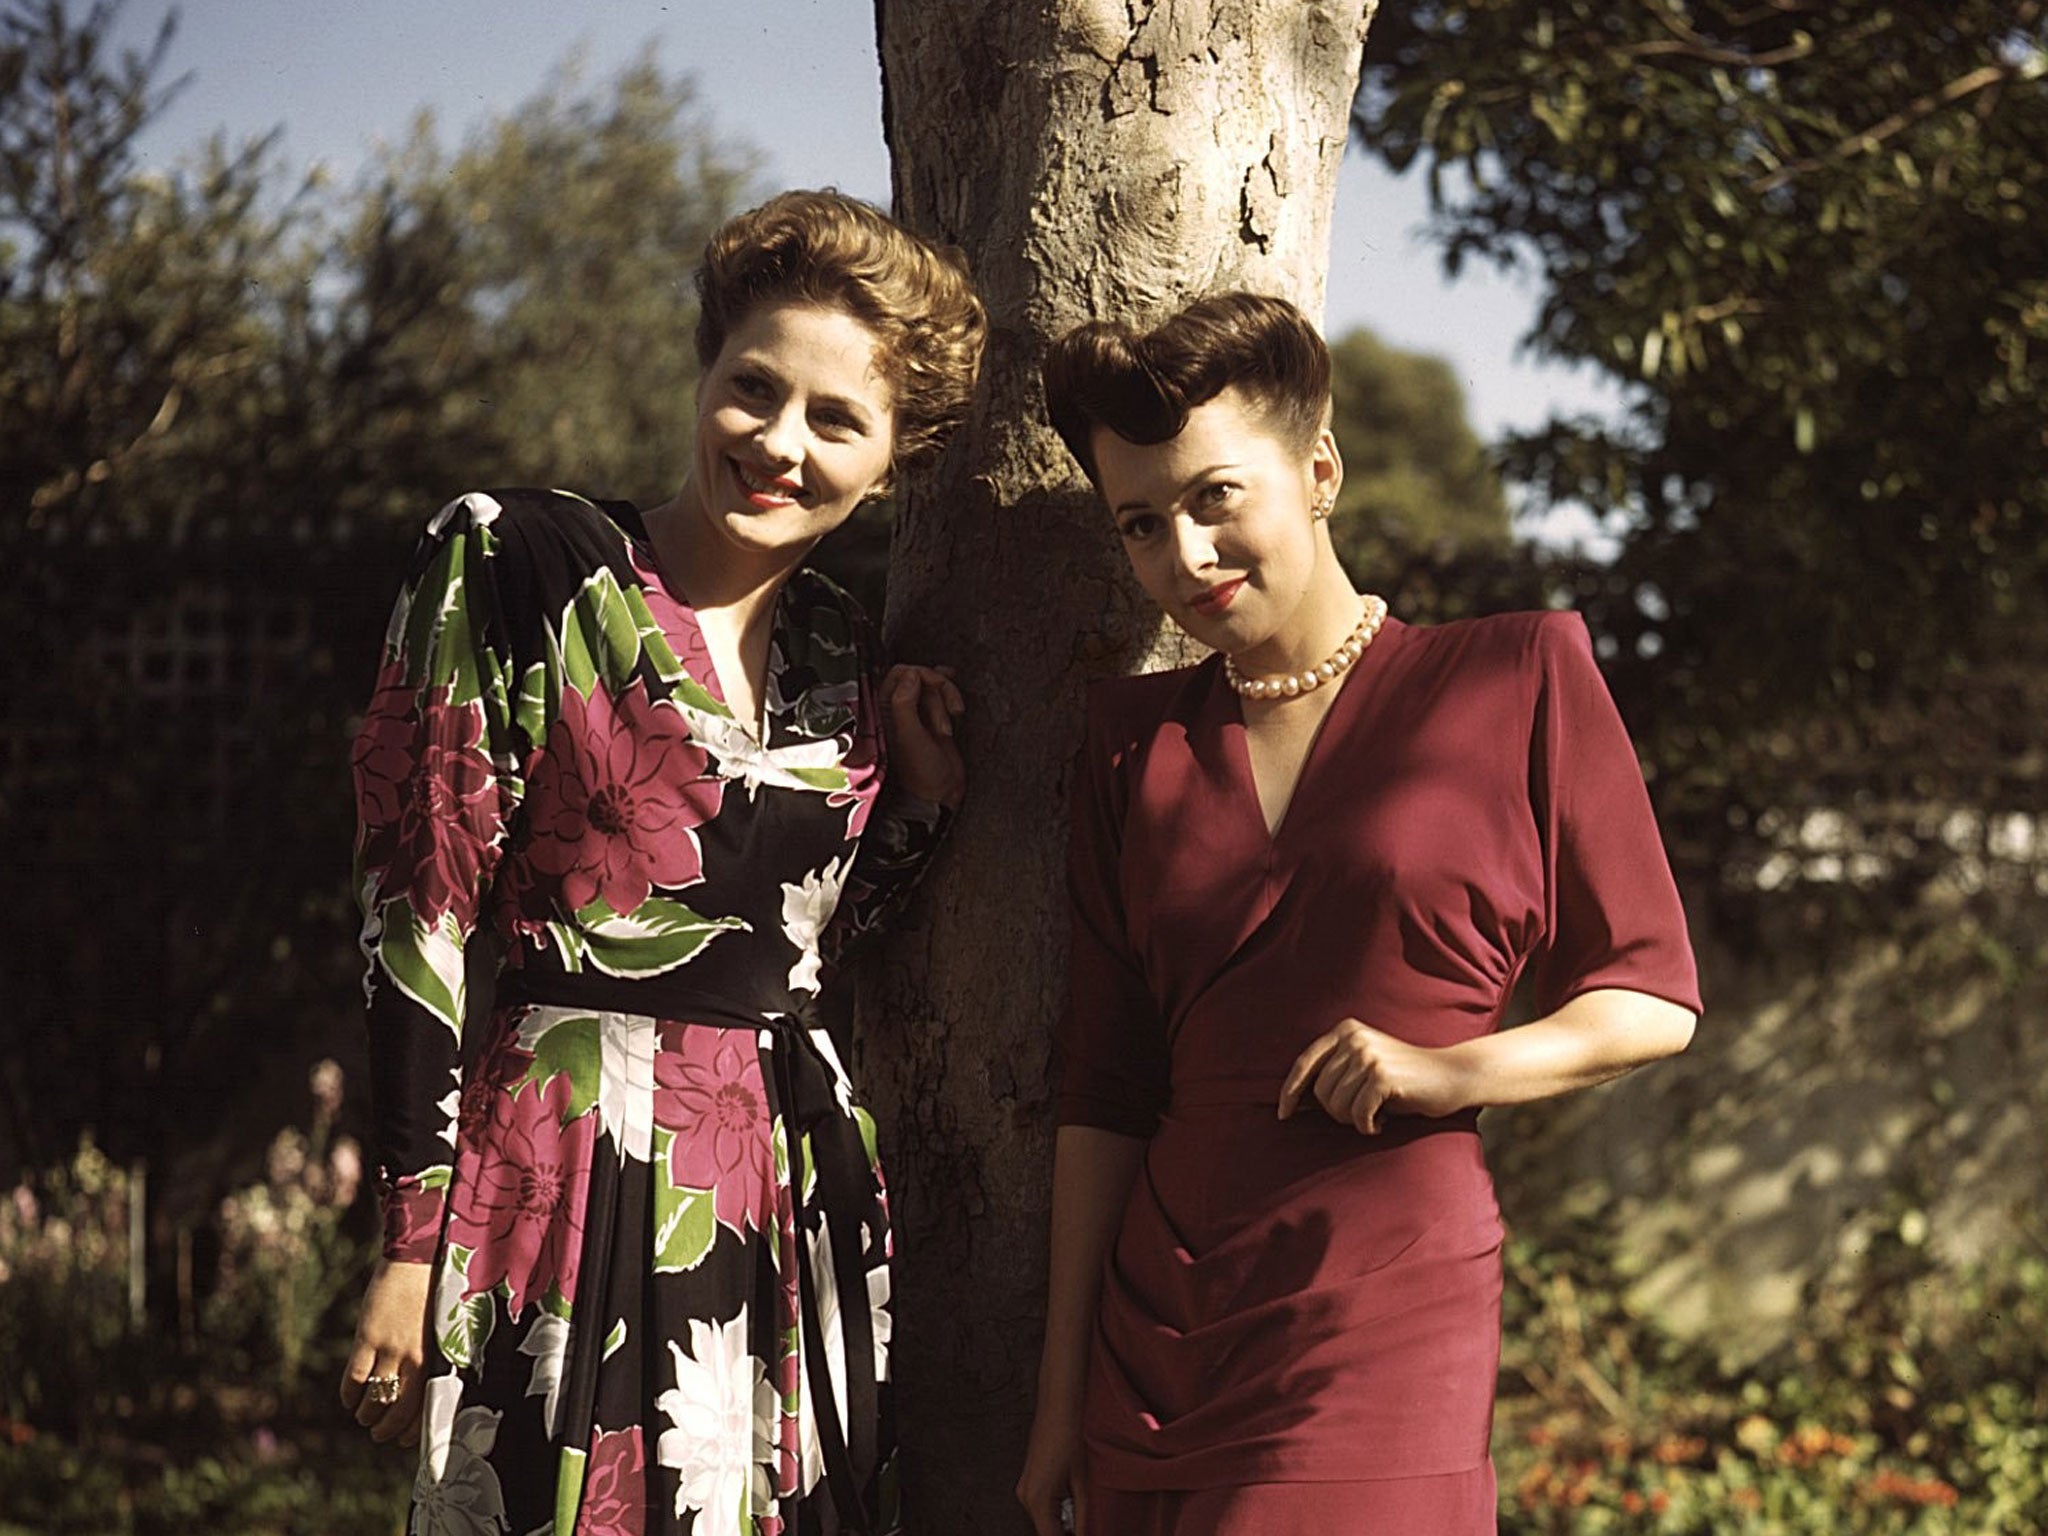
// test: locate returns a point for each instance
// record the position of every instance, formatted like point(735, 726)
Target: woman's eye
point(1218, 493)
point(750, 386)
point(836, 424)
point(1134, 529)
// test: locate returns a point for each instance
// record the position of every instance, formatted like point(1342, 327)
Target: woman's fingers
point(1303, 1072)
point(1342, 1069)
point(938, 718)
point(402, 1418)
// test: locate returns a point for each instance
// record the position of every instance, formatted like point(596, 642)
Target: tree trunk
point(1093, 158)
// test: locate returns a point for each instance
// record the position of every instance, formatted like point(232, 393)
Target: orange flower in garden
point(1659, 1502)
point(1633, 1503)
point(1807, 1444)
point(1887, 1484)
point(1675, 1449)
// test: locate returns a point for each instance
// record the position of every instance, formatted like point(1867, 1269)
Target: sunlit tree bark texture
point(1092, 159)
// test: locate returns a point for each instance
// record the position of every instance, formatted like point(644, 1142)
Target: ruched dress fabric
point(1294, 1303)
point(655, 1212)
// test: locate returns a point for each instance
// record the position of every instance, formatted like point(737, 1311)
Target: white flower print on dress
point(457, 1492)
point(806, 909)
point(825, 1285)
point(547, 1345)
point(481, 510)
point(626, 1095)
point(723, 1442)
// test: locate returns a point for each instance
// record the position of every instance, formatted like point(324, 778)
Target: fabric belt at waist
point(804, 1085)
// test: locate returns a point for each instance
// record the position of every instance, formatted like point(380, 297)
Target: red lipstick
point(1217, 598)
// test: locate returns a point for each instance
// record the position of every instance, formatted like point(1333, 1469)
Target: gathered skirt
point(1292, 1307)
point(635, 1301)
point(1453, 1504)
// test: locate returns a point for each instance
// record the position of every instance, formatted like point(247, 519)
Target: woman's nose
point(781, 437)
point(1192, 545)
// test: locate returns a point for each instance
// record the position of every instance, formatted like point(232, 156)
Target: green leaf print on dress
point(425, 962)
point(685, 1220)
point(658, 935)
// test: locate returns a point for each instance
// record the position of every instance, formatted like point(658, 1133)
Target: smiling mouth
point(765, 490)
point(1216, 598)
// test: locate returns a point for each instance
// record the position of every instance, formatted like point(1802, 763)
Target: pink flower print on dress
point(519, 1198)
point(679, 626)
point(863, 763)
point(614, 1485)
point(708, 1090)
point(427, 796)
point(412, 1221)
point(616, 798)
point(497, 1073)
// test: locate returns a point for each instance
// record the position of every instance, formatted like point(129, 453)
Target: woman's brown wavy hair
point(1142, 384)
point(834, 251)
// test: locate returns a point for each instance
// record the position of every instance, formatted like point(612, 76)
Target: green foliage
point(228, 400)
point(1415, 475)
point(1804, 235)
point(64, 1294)
point(287, 1259)
point(226, 1421)
point(1915, 1402)
point(566, 234)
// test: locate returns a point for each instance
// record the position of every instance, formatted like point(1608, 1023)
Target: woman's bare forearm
point(1091, 1180)
point(1596, 1036)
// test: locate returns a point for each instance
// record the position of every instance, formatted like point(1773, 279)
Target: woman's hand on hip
point(1048, 1479)
point(921, 704)
point(1358, 1074)
point(391, 1341)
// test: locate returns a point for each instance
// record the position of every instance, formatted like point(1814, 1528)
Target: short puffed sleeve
point(1111, 1053)
point(1612, 916)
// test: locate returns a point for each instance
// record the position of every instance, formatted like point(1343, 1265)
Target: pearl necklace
point(1289, 685)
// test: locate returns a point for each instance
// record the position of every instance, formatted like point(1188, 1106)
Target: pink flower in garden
point(426, 797)
point(614, 1485)
point(326, 1082)
point(616, 798)
point(708, 1090)
point(345, 1166)
point(519, 1197)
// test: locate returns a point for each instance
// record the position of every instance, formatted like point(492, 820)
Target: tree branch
point(1686, 42)
point(1916, 111)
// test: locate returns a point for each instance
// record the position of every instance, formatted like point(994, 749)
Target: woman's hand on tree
point(391, 1340)
point(1358, 1074)
point(922, 703)
point(1047, 1480)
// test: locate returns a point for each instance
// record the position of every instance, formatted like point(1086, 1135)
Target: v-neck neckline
point(762, 729)
point(1353, 681)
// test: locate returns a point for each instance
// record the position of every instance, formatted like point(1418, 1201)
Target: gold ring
point(383, 1390)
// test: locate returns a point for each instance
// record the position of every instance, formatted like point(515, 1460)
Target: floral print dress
point(661, 1299)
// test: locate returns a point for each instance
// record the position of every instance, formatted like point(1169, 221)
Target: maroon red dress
point(1292, 1302)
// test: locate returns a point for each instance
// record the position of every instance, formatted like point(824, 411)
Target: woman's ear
point(1326, 470)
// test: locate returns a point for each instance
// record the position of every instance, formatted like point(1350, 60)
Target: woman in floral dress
point(635, 1272)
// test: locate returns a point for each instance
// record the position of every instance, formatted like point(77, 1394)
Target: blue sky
point(797, 80)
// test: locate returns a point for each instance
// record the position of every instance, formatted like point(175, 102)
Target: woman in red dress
point(1307, 875)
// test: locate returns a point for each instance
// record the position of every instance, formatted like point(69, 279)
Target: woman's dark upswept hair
point(1142, 384)
point(834, 251)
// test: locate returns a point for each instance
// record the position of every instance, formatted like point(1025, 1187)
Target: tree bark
point(1094, 158)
